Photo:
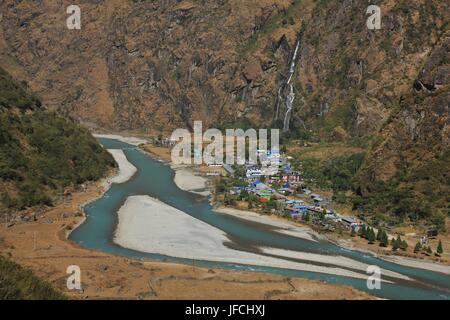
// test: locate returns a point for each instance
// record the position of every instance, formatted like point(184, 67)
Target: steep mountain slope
point(41, 153)
point(155, 64)
point(159, 65)
point(408, 170)
point(352, 77)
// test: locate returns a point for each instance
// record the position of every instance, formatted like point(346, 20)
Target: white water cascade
point(293, 61)
point(289, 103)
point(289, 97)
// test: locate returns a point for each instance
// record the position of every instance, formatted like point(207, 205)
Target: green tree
point(227, 200)
point(244, 194)
point(400, 244)
point(368, 231)
point(271, 204)
point(362, 232)
point(221, 186)
point(403, 245)
point(438, 219)
point(379, 234)
point(394, 244)
point(322, 214)
point(384, 241)
point(439, 249)
point(429, 250)
point(371, 236)
point(418, 247)
point(306, 216)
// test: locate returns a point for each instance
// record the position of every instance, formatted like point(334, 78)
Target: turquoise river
point(155, 179)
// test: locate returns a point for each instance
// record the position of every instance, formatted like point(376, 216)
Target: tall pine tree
point(379, 234)
point(362, 232)
point(394, 244)
point(384, 241)
point(439, 249)
point(371, 236)
point(418, 247)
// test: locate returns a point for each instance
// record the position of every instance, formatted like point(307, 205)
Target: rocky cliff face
point(354, 77)
point(163, 64)
point(412, 153)
point(419, 130)
point(157, 65)
point(153, 64)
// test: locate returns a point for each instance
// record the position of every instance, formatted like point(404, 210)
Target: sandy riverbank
point(415, 263)
point(379, 252)
point(148, 225)
point(125, 172)
point(328, 259)
point(281, 226)
point(186, 179)
point(130, 140)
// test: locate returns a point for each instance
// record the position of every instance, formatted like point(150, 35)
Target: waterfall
point(288, 98)
point(293, 61)
point(289, 103)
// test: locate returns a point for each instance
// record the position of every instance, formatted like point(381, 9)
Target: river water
point(155, 179)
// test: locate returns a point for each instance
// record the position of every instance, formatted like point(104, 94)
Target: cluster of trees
point(335, 173)
point(419, 194)
point(253, 199)
point(427, 249)
point(398, 243)
point(381, 236)
point(366, 233)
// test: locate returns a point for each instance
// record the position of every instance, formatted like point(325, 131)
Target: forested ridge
point(41, 153)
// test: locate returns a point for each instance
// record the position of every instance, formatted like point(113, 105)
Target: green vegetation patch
point(13, 94)
point(41, 152)
point(416, 194)
point(18, 283)
point(335, 173)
